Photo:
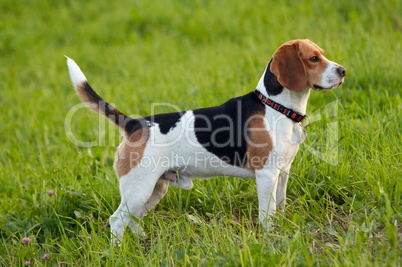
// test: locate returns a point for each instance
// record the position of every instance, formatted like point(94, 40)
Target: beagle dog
point(255, 136)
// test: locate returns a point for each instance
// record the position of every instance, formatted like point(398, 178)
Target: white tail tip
point(76, 75)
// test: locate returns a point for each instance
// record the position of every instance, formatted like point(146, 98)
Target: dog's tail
point(96, 103)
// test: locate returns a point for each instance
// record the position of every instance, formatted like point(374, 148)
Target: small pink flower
point(26, 240)
point(27, 262)
point(68, 192)
point(45, 256)
point(85, 195)
point(50, 192)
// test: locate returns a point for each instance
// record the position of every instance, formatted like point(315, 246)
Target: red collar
point(291, 114)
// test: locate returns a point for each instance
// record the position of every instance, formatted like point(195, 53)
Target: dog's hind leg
point(136, 189)
point(159, 192)
point(118, 221)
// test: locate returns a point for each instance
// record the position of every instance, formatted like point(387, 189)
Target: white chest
point(286, 136)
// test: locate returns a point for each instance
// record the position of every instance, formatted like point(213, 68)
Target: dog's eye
point(314, 59)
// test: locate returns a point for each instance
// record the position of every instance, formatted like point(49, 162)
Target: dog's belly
point(199, 163)
point(216, 168)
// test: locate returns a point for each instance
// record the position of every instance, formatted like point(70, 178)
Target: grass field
point(196, 54)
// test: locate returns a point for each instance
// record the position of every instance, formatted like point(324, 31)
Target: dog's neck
point(270, 87)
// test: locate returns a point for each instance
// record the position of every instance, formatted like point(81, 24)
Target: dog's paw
point(281, 205)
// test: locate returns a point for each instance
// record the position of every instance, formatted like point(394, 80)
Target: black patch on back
point(166, 121)
point(222, 131)
point(271, 83)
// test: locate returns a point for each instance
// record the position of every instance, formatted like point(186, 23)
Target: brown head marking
point(288, 67)
point(299, 64)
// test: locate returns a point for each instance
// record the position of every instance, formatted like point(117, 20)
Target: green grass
point(196, 54)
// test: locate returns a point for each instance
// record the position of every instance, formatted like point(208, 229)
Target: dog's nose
point(341, 70)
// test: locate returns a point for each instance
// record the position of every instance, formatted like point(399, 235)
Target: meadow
point(341, 212)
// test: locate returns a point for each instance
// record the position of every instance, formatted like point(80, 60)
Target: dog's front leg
point(267, 182)
point(281, 190)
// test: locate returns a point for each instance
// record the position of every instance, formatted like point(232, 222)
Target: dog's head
point(300, 64)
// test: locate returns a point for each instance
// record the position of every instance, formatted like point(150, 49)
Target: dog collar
point(291, 114)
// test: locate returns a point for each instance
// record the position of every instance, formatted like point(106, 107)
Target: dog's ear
point(288, 67)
